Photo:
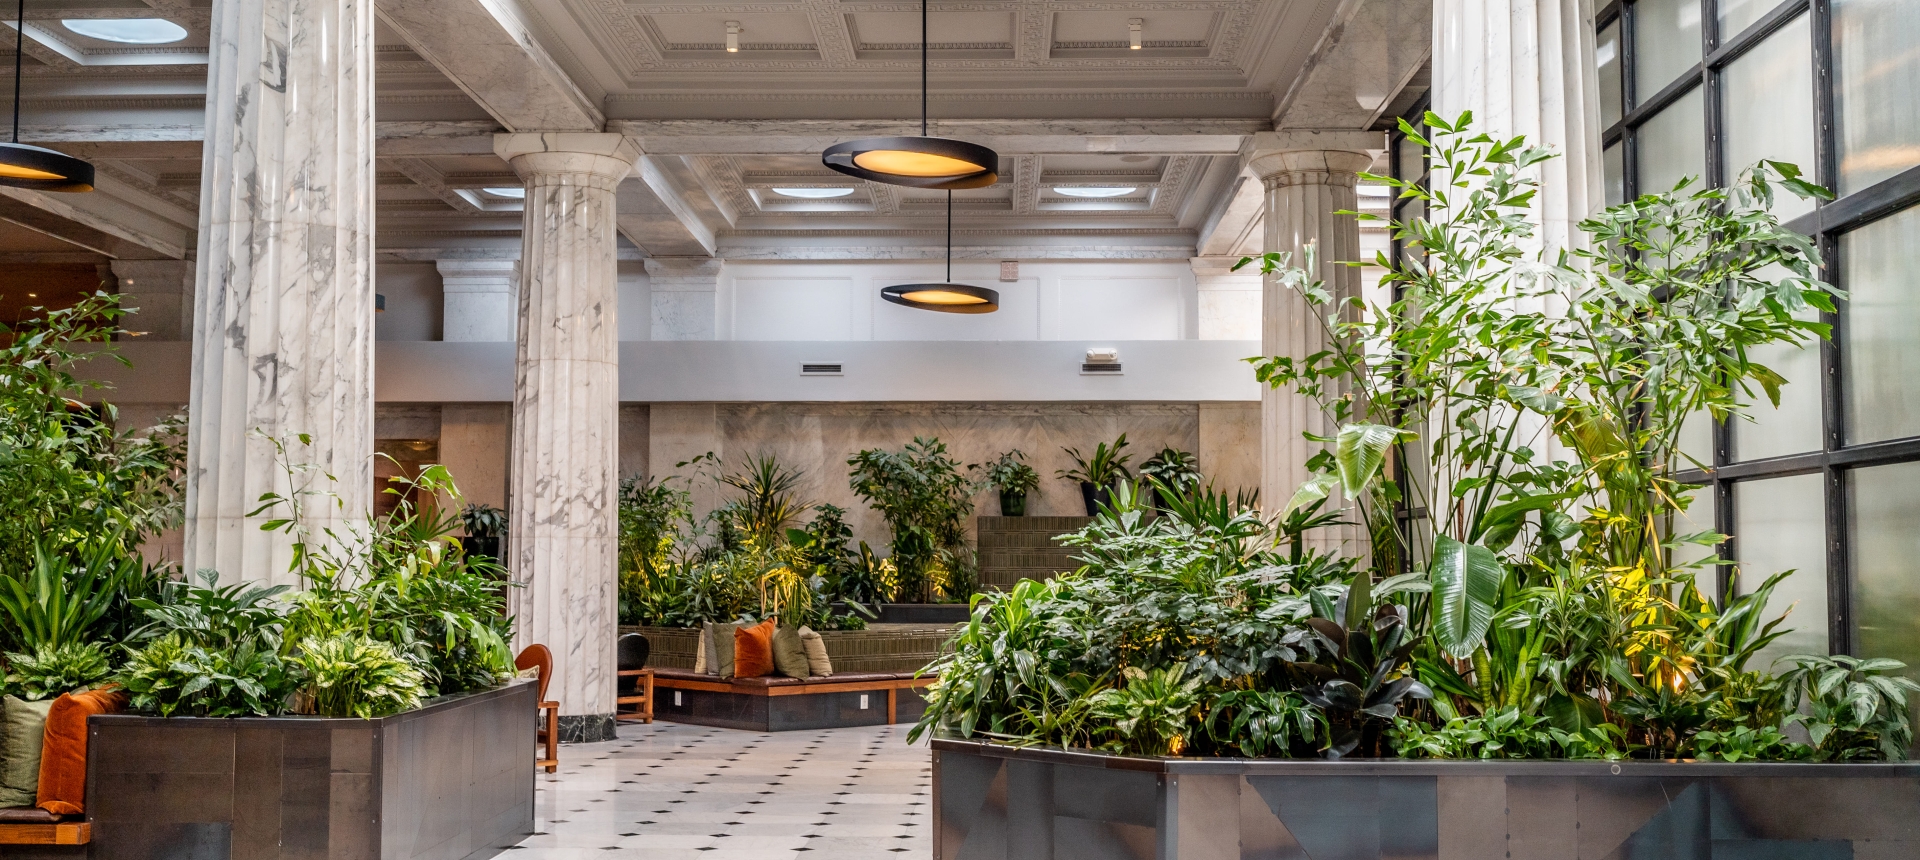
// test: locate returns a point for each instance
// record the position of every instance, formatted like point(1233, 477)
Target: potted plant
point(1011, 475)
point(485, 526)
point(1098, 474)
point(1173, 469)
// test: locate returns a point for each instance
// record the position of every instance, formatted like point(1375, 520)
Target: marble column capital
point(471, 276)
point(684, 267)
point(607, 158)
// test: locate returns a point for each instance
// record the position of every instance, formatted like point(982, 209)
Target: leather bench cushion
point(682, 675)
point(27, 815)
point(767, 681)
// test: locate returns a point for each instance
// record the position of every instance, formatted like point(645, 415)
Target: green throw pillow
point(720, 649)
point(789, 656)
point(24, 729)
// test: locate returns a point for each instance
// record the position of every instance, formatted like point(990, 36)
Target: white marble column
point(1526, 67)
point(685, 295)
point(478, 299)
point(283, 331)
point(160, 295)
point(563, 528)
point(1304, 188)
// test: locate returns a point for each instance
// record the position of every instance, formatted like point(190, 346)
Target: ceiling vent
point(822, 368)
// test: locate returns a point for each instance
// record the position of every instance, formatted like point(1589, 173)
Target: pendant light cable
point(949, 236)
point(19, 53)
point(923, 67)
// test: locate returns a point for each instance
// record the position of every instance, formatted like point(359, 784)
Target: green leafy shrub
point(353, 676)
point(1746, 743)
point(1152, 711)
point(173, 677)
point(923, 497)
point(50, 670)
point(1008, 473)
point(1856, 709)
point(1106, 467)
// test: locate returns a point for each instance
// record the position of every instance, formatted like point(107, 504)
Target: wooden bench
point(31, 826)
point(774, 704)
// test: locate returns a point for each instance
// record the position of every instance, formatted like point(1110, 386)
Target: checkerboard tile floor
point(677, 792)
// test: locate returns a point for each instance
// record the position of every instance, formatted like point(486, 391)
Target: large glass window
point(1828, 483)
point(1768, 94)
point(1876, 99)
point(1666, 43)
point(1881, 266)
point(1673, 145)
point(1779, 525)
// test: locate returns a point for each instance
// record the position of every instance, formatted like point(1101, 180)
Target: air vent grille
point(1100, 369)
point(822, 368)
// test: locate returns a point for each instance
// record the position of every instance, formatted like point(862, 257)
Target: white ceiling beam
point(101, 222)
point(653, 213)
point(486, 48)
point(1008, 137)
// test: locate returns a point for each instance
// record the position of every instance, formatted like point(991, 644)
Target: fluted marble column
point(283, 330)
point(1527, 67)
point(477, 299)
point(1304, 188)
point(563, 523)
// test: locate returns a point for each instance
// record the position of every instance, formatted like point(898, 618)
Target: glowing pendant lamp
point(23, 166)
point(917, 162)
point(946, 297)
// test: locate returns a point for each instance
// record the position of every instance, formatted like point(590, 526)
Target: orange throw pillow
point(753, 650)
point(63, 761)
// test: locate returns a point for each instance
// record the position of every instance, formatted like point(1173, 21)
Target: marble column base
point(586, 728)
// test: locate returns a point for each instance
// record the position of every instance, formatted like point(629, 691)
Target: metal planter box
point(998, 803)
point(449, 781)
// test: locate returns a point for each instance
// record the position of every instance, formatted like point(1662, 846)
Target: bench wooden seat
point(777, 703)
point(28, 825)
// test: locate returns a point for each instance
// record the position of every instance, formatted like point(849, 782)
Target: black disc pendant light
point(946, 297)
point(917, 162)
point(23, 166)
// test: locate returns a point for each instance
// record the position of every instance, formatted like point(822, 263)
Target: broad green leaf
point(1466, 590)
point(1361, 452)
point(1315, 489)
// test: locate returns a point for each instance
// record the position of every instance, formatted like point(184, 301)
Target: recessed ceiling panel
point(950, 35)
point(703, 35)
point(1164, 34)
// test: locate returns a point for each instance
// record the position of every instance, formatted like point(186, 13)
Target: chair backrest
point(634, 650)
point(536, 655)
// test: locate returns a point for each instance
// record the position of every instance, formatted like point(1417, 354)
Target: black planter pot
point(1096, 496)
point(488, 546)
point(1013, 503)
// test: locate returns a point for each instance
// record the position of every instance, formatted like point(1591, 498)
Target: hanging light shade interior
point(917, 162)
point(23, 166)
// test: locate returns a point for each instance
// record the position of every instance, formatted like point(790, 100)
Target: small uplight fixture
point(813, 193)
point(1096, 191)
point(127, 31)
point(379, 303)
point(733, 37)
point(511, 192)
point(1134, 26)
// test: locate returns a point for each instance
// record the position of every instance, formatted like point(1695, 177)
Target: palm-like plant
point(59, 603)
point(1107, 465)
point(769, 502)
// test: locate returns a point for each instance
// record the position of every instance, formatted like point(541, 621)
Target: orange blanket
point(63, 761)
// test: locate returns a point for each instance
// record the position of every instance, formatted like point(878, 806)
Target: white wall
point(840, 301)
point(413, 301)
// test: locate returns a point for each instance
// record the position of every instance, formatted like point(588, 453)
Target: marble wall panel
point(473, 447)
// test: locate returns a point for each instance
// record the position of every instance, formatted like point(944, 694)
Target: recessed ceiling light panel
point(128, 31)
point(1096, 191)
point(814, 193)
point(511, 192)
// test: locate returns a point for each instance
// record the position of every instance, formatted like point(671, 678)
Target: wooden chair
point(638, 692)
point(537, 656)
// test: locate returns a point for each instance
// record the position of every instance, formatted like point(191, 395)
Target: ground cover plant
point(1507, 439)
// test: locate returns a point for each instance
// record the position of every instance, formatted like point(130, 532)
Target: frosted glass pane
point(1880, 269)
point(1606, 53)
point(1738, 15)
point(1796, 427)
point(1666, 43)
point(1885, 503)
point(1780, 524)
point(1673, 145)
point(1613, 167)
point(1768, 95)
point(1695, 442)
point(1876, 88)
point(1697, 518)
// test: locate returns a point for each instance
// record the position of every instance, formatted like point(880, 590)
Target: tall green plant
point(925, 500)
